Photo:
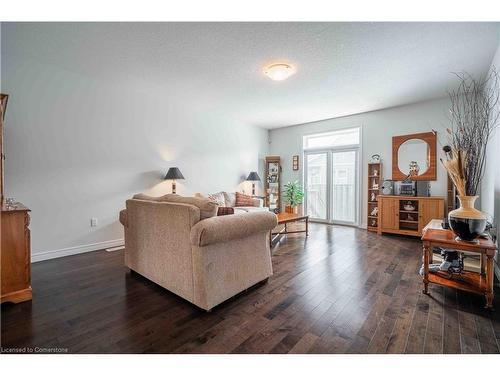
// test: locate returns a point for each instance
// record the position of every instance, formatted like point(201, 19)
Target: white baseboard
point(51, 254)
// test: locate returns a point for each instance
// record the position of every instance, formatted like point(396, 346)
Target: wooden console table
point(479, 283)
point(284, 218)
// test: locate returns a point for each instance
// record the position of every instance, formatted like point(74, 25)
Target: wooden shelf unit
point(374, 176)
point(467, 281)
point(272, 183)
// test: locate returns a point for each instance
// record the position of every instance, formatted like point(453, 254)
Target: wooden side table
point(475, 282)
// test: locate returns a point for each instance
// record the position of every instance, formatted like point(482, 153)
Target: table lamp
point(174, 174)
point(253, 176)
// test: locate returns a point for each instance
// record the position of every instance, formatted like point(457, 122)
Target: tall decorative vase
point(466, 221)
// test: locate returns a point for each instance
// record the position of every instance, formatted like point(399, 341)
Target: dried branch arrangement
point(474, 116)
point(454, 165)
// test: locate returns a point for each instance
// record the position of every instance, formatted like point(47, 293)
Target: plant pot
point(291, 210)
point(467, 222)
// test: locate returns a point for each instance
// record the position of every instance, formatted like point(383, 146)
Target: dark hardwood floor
point(341, 290)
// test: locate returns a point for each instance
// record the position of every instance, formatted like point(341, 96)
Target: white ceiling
point(342, 68)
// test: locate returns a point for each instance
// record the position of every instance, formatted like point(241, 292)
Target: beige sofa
point(203, 261)
point(227, 199)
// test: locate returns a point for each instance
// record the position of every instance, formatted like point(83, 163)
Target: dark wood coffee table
point(285, 218)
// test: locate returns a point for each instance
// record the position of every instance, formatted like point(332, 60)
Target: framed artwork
point(295, 162)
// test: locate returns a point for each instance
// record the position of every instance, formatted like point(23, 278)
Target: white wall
point(378, 128)
point(490, 185)
point(78, 146)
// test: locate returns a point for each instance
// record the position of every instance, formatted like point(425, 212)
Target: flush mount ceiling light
point(279, 71)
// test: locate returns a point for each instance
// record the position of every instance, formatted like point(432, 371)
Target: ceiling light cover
point(279, 72)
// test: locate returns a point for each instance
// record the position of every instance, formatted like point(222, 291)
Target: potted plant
point(294, 196)
point(473, 120)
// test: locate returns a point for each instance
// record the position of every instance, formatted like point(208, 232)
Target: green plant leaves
point(293, 193)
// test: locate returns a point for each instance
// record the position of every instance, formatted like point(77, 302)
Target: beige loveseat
point(203, 261)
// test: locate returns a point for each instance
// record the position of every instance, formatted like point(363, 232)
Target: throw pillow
point(218, 198)
point(230, 199)
point(243, 200)
point(225, 211)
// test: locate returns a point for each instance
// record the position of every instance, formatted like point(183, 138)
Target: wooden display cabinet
point(374, 186)
point(272, 183)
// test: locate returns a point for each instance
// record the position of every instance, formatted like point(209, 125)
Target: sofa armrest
point(226, 228)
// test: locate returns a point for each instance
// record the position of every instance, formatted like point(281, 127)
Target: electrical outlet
point(93, 222)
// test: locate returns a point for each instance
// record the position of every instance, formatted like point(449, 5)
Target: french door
point(331, 180)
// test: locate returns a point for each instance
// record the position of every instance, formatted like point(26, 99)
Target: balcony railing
point(344, 202)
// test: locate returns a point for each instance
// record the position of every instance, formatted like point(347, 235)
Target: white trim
point(111, 249)
point(51, 254)
point(305, 135)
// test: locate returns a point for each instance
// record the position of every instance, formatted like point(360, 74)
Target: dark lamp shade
point(253, 176)
point(174, 174)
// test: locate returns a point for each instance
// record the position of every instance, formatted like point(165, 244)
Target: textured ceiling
point(342, 68)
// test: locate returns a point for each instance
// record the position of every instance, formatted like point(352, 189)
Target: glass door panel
point(316, 185)
point(344, 186)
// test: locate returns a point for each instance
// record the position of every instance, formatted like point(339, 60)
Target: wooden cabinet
point(408, 215)
point(429, 209)
point(15, 259)
point(15, 253)
point(390, 218)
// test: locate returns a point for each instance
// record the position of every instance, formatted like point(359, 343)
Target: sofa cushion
point(208, 208)
point(243, 200)
point(250, 209)
point(218, 198)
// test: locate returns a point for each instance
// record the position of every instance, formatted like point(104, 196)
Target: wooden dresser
point(395, 218)
point(15, 259)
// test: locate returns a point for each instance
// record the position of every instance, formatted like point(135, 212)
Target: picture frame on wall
point(295, 162)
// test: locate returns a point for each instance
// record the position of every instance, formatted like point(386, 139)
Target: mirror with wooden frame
point(414, 157)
